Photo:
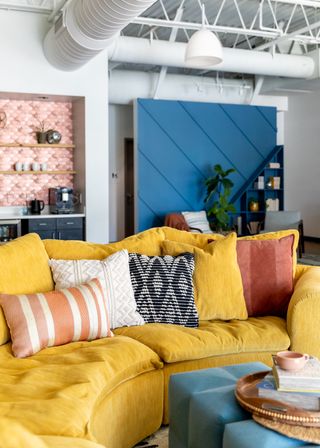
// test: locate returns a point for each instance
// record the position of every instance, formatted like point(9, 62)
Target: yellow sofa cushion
point(24, 267)
point(277, 236)
point(14, 435)
point(56, 391)
point(174, 343)
point(195, 239)
point(217, 278)
point(68, 442)
point(147, 243)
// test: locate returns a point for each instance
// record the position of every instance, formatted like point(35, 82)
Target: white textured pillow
point(197, 220)
point(114, 271)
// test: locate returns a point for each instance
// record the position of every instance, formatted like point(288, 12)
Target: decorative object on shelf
point(10, 172)
point(53, 136)
point(18, 166)
point(35, 166)
point(276, 183)
point(269, 184)
point(239, 225)
point(3, 119)
point(272, 205)
point(254, 227)
point(43, 166)
point(270, 198)
point(259, 184)
point(35, 145)
point(41, 132)
point(25, 166)
point(274, 165)
point(217, 199)
point(253, 205)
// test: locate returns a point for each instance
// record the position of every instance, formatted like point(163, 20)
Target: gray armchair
point(283, 220)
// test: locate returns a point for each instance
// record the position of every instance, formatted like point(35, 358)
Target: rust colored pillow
point(267, 274)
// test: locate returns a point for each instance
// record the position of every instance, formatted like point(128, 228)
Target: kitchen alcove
point(65, 161)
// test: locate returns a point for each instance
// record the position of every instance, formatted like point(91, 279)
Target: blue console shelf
point(271, 187)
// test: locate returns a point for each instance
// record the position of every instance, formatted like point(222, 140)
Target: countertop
point(4, 217)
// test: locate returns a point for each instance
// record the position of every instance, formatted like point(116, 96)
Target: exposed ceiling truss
point(38, 6)
point(249, 24)
point(259, 24)
point(285, 26)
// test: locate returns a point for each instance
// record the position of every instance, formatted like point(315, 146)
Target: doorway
point(129, 186)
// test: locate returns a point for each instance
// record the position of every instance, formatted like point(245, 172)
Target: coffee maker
point(62, 200)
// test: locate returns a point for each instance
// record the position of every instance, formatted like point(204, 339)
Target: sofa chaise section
point(89, 390)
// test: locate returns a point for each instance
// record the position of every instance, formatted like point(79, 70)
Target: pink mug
point(291, 360)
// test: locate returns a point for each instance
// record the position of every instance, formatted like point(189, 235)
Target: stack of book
point(272, 205)
point(299, 388)
point(276, 182)
point(259, 184)
point(274, 165)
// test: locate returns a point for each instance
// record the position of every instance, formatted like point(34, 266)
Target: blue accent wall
point(178, 143)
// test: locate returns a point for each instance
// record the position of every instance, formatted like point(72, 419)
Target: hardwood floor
point(312, 247)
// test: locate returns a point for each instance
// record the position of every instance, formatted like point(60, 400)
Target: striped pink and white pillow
point(37, 321)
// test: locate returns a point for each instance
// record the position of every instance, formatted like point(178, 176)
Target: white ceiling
point(239, 23)
point(285, 26)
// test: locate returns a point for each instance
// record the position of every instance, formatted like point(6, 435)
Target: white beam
point(149, 21)
point(294, 34)
point(172, 38)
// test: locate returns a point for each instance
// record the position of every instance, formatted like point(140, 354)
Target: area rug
point(157, 440)
point(310, 259)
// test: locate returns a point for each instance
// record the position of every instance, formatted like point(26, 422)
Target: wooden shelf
point(35, 145)
point(39, 172)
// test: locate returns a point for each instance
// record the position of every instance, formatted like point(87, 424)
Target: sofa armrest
point(303, 318)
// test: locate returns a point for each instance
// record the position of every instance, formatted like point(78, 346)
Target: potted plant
point(217, 199)
point(41, 132)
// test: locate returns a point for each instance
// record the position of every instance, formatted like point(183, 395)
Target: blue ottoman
point(204, 412)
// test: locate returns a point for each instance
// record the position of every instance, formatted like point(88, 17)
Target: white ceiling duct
point(87, 27)
point(127, 85)
point(171, 54)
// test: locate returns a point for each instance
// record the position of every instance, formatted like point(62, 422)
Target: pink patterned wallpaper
point(22, 119)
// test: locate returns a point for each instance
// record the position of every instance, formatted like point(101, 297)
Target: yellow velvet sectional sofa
point(112, 392)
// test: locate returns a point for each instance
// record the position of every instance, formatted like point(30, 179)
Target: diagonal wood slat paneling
point(179, 142)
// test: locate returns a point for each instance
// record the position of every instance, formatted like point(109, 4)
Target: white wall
point(302, 159)
point(24, 69)
point(120, 127)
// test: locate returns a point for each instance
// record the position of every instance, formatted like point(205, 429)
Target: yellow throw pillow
point(195, 239)
point(217, 278)
point(146, 243)
point(24, 267)
point(277, 236)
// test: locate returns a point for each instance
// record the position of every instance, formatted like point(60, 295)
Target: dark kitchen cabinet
point(66, 228)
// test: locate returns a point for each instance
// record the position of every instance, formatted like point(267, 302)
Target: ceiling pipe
point(127, 85)
point(158, 52)
point(86, 27)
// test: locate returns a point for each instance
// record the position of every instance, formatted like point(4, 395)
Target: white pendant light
point(204, 49)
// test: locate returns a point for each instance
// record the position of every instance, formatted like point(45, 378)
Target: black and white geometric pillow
point(163, 288)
